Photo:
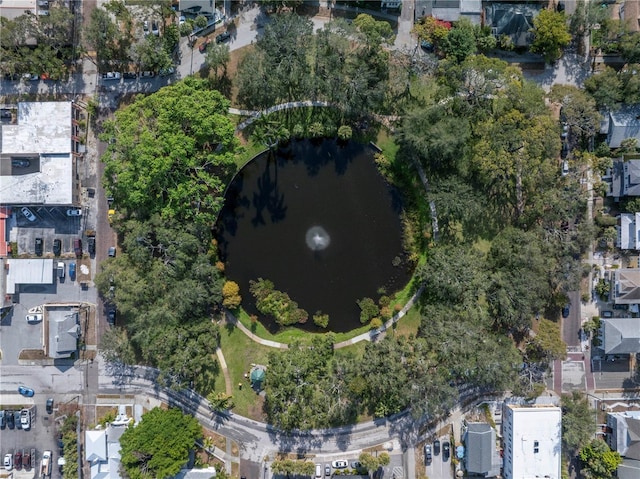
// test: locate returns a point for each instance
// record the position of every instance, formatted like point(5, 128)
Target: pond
point(318, 220)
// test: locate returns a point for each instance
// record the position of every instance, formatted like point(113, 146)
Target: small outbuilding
point(257, 376)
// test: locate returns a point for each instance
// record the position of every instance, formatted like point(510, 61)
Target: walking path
point(225, 371)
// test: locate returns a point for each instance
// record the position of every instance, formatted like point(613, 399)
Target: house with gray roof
point(512, 19)
point(481, 455)
point(628, 231)
point(623, 178)
point(625, 286)
point(102, 451)
point(623, 123)
point(62, 331)
point(621, 335)
point(625, 433)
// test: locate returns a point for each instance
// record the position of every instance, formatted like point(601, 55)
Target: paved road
point(571, 325)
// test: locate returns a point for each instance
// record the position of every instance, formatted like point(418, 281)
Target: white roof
point(96, 446)
point(28, 271)
point(533, 437)
point(15, 8)
point(44, 132)
point(628, 231)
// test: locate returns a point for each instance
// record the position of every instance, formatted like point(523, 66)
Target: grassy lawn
point(239, 353)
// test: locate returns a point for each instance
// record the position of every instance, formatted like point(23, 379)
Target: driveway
point(439, 468)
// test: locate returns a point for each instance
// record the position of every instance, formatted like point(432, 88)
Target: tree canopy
point(551, 34)
point(158, 447)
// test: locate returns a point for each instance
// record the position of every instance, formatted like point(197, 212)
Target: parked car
point(446, 451)
point(92, 245)
point(327, 470)
point(181, 19)
point(145, 27)
point(26, 392)
point(74, 212)
point(34, 318)
point(223, 37)
point(165, 72)
point(607, 314)
point(25, 419)
point(49, 406)
point(3, 419)
point(130, 75)
point(17, 460)
point(356, 465)
point(154, 29)
point(318, 471)
point(11, 423)
point(566, 310)
point(112, 252)
point(203, 46)
point(147, 74)
point(436, 447)
point(16, 419)
point(72, 271)
point(26, 460)
point(111, 76)
point(427, 454)
point(39, 243)
point(339, 464)
point(28, 214)
point(60, 445)
point(111, 317)
point(18, 163)
point(8, 462)
point(77, 247)
point(57, 247)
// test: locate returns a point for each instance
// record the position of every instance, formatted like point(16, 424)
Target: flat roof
point(16, 8)
point(28, 271)
point(43, 136)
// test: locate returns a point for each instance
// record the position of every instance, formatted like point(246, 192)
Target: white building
point(532, 441)
point(38, 153)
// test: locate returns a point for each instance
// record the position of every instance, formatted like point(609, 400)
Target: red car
point(17, 460)
point(203, 46)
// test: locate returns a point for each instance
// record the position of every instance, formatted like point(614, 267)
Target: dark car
point(60, 445)
point(17, 460)
point(223, 37)
point(38, 246)
point(112, 252)
point(11, 423)
point(77, 247)
point(26, 460)
point(26, 392)
point(446, 451)
point(57, 247)
point(3, 419)
point(436, 447)
point(16, 419)
point(129, 75)
point(72, 271)
point(111, 317)
point(50, 406)
point(20, 163)
point(92, 245)
point(566, 310)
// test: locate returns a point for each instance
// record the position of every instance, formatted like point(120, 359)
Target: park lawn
point(387, 144)
point(239, 353)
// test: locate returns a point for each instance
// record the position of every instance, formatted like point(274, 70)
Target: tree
point(547, 344)
point(151, 54)
point(220, 401)
point(551, 34)
point(116, 347)
point(373, 463)
point(231, 295)
point(158, 447)
point(598, 461)
point(630, 47)
point(200, 21)
point(578, 422)
point(461, 40)
point(579, 112)
point(105, 37)
point(217, 56)
point(432, 30)
point(368, 310)
point(606, 88)
point(375, 31)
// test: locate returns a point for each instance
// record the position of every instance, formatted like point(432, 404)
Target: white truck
point(60, 270)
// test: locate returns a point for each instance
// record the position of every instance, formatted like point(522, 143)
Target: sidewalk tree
point(217, 57)
point(551, 34)
point(606, 88)
point(598, 461)
point(578, 421)
point(158, 447)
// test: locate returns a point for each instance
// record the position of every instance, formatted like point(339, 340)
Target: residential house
point(449, 10)
point(625, 433)
point(512, 19)
point(102, 447)
point(621, 335)
point(623, 178)
point(629, 13)
point(625, 287)
point(481, 454)
point(16, 8)
point(532, 436)
point(628, 231)
point(623, 123)
point(61, 331)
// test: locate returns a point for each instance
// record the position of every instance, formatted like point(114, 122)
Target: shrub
point(231, 295)
point(376, 323)
point(368, 310)
point(321, 320)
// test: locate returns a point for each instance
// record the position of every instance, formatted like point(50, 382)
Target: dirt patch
point(256, 409)
point(104, 411)
point(216, 439)
point(235, 450)
point(32, 354)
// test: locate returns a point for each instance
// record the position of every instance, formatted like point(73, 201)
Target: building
point(38, 155)
point(449, 10)
point(61, 331)
point(512, 19)
point(532, 437)
point(628, 231)
point(481, 454)
point(25, 271)
point(15, 8)
point(621, 336)
point(623, 123)
point(625, 287)
point(625, 433)
point(629, 13)
point(102, 451)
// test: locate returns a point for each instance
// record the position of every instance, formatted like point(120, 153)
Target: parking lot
point(440, 468)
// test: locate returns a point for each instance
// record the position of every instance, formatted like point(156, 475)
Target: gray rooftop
point(64, 331)
point(629, 231)
point(625, 287)
point(621, 335)
point(623, 123)
point(479, 445)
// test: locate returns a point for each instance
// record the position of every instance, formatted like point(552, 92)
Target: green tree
point(220, 401)
point(598, 461)
point(345, 132)
point(373, 463)
point(547, 344)
point(105, 37)
point(320, 319)
point(116, 347)
point(231, 295)
point(158, 447)
point(217, 57)
point(375, 31)
point(461, 40)
point(432, 30)
point(200, 21)
point(368, 309)
point(606, 88)
point(151, 54)
point(630, 47)
point(578, 422)
point(551, 34)
point(579, 112)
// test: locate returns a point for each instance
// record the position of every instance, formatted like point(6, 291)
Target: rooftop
point(621, 335)
point(27, 271)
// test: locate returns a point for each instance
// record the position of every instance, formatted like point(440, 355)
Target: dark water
point(266, 229)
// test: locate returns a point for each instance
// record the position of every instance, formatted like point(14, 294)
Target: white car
point(74, 212)
point(34, 318)
point(25, 419)
point(339, 464)
point(111, 76)
point(8, 462)
point(28, 214)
